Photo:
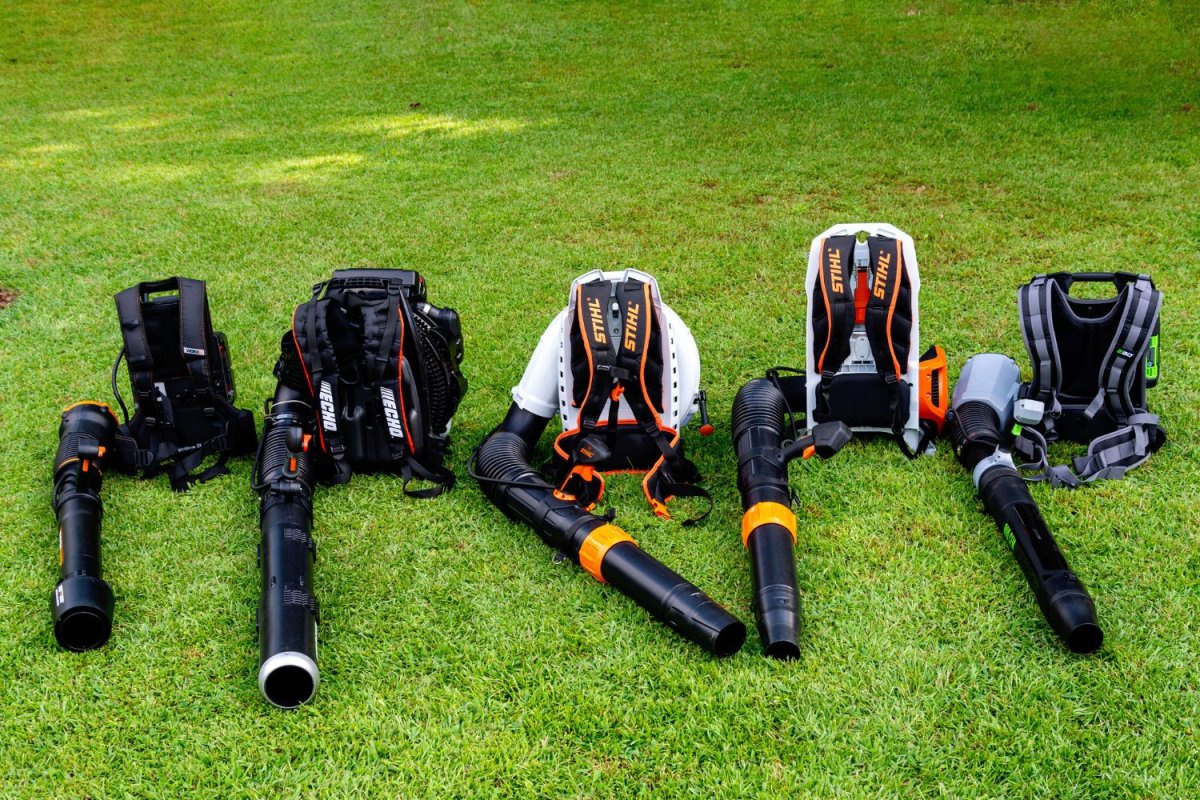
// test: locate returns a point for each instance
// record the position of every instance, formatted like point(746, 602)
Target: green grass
point(501, 150)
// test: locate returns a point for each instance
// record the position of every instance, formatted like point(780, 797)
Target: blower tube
point(981, 412)
point(81, 603)
point(287, 615)
point(768, 525)
point(605, 551)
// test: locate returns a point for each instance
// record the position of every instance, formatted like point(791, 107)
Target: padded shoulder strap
point(833, 310)
point(310, 329)
point(1127, 352)
point(193, 333)
point(1037, 329)
point(137, 347)
point(889, 312)
point(889, 320)
point(590, 303)
point(833, 319)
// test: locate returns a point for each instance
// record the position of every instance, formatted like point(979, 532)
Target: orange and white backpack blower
point(861, 375)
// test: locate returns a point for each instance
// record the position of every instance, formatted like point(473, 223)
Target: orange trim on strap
point(767, 513)
point(412, 447)
point(596, 546)
point(892, 310)
point(824, 297)
point(308, 379)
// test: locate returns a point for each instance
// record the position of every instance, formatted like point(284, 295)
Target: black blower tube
point(81, 603)
point(768, 524)
point(976, 432)
point(758, 413)
point(601, 548)
point(287, 615)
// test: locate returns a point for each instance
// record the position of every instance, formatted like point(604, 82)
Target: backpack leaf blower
point(183, 393)
point(861, 376)
point(985, 409)
point(368, 380)
point(622, 371)
point(1094, 359)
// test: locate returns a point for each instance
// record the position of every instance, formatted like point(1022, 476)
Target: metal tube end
point(288, 679)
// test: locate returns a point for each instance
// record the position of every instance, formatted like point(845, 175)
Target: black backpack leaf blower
point(369, 378)
point(183, 394)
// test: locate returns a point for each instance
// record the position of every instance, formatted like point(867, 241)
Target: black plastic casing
point(976, 433)
point(758, 437)
point(287, 614)
point(82, 602)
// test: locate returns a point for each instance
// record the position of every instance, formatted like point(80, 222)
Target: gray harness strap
point(1108, 457)
point(1111, 455)
point(1127, 351)
point(1033, 303)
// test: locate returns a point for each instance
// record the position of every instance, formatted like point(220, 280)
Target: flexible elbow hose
point(602, 549)
point(768, 524)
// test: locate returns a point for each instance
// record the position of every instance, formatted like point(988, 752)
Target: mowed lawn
point(502, 149)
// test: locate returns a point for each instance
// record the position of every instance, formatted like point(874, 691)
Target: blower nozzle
point(82, 603)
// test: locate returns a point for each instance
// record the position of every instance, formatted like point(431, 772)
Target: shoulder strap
point(322, 366)
point(1127, 352)
point(889, 319)
point(137, 347)
point(1037, 329)
point(193, 333)
point(388, 339)
point(672, 475)
point(833, 311)
point(590, 302)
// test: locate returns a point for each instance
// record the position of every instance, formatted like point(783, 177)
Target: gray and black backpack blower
point(369, 379)
point(1093, 362)
point(183, 415)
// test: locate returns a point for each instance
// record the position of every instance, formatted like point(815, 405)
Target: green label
point(1152, 359)
point(1007, 533)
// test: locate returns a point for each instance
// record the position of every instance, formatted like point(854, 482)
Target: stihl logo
point(632, 314)
point(881, 274)
point(596, 315)
point(837, 277)
point(328, 411)
point(391, 414)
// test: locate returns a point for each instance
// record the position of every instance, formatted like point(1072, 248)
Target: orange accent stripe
point(825, 298)
point(767, 513)
point(587, 347)
point(892, 307)
point(400, 383)
point(307, 379)
point(645, 352)
point(596, 546)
